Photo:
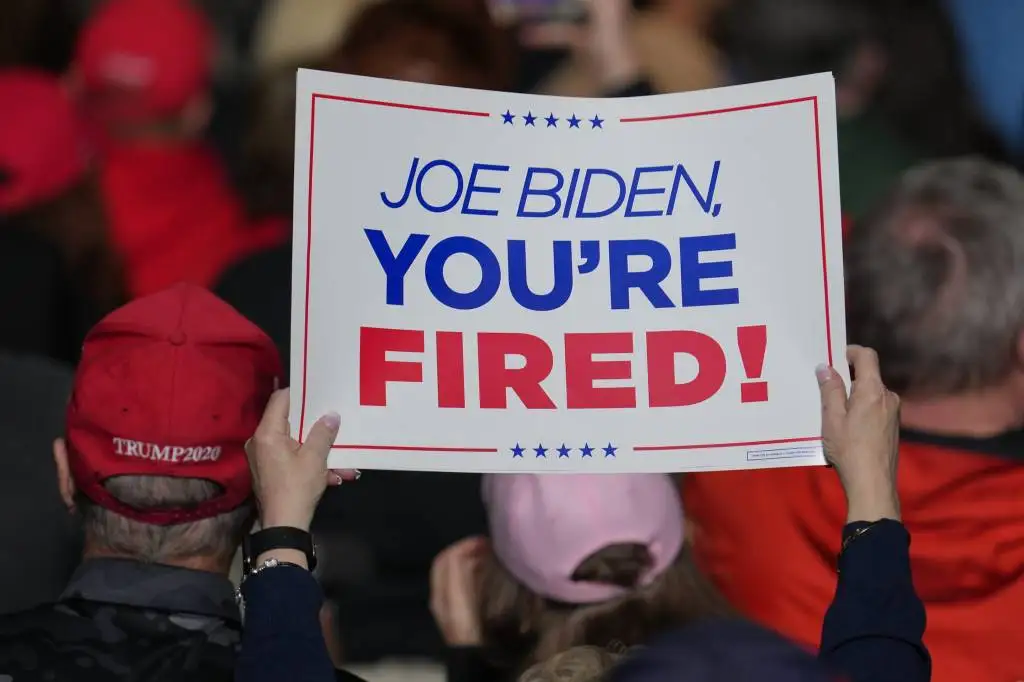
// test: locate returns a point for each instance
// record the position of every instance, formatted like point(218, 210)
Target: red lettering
point(451, 370)
point(496, 378)
point(582, 370)
point(376, 371)
point(662, 348)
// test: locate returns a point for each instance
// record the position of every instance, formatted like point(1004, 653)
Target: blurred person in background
point(665, 42)
point(141, 74)
point(233, 24)
point(441, 42)
point(293, 33)
point(169, 389)
point(935, 282)
point(901, 93)
point(561, 570)
point(35, 521)
point(59, 272)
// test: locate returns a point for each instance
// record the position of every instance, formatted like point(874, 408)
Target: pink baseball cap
point(544, 526)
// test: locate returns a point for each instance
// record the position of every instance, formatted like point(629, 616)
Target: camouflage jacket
point(126, 621)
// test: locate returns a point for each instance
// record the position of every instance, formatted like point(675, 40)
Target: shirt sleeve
point(282, 639)
point(874, 627)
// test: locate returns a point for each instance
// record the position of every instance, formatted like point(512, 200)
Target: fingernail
point(336, 479)
point(332, 420)
point(823, 372)
point(359, 474)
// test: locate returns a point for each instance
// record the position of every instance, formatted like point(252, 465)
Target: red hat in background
point(172, 384)
point(43, 147)
point(143, 59)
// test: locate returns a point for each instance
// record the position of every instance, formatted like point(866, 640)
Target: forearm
point(874, 627)
point(282, 638)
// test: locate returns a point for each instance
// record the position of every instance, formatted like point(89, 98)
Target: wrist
point(285, 519)
point(873, 507)
point(284, 556)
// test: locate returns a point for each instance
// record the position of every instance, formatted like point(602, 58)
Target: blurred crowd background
point(141, 145)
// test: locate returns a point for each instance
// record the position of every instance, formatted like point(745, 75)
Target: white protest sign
point(501, 282)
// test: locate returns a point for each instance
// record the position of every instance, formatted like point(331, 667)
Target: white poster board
point(498, 282)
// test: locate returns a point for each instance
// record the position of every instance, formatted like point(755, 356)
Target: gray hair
point(935, 278)
point(218, 536)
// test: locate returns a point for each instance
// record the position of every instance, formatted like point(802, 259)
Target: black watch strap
point(279, 537)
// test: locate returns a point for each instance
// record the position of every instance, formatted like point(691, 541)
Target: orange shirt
point(769, 539)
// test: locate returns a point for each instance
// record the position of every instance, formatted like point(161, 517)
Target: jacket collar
point(153, 586)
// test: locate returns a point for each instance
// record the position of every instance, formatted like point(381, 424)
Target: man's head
point(768, 39)
point(142, 68)
point(935, 280)
point(425, 42)
point(168, 390)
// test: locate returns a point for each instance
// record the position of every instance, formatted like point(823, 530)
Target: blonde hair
point(579, 664)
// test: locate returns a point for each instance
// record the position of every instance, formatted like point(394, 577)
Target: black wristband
point(858, 529)
point(278, 537)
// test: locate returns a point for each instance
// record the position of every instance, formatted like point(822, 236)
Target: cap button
point(177, 338)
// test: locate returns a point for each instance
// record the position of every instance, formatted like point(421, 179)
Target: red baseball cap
point(43, 146)
point(143, 59)
point(172, 384)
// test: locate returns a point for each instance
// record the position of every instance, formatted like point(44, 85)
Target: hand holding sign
point(861, 436)
point(289, 479)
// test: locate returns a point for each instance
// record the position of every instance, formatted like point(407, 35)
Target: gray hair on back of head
point(935, 278)
point(218, 536)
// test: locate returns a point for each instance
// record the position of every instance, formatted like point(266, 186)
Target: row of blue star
point(508, 118)
point(541, 452)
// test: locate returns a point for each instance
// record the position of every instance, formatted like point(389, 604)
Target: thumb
point(275, 415)
point(321, 437)
point(833, 399)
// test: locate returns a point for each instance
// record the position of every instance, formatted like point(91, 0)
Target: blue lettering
point(647, 281)
point(442, 208)
point(693, 271)
point(473, 187)
point(520, 288)
point(581, 211)
point(706, 201)
point(395, 267)
point(490, 273)
point(572, 192)
point(408, 188)
point(636, 191)
point(528, 191)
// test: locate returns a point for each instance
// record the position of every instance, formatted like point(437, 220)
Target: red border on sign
point(482, 114)
point(824, 259)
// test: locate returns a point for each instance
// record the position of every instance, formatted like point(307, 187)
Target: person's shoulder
point(81, 640)
point(28, 636)
point(267, 263)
